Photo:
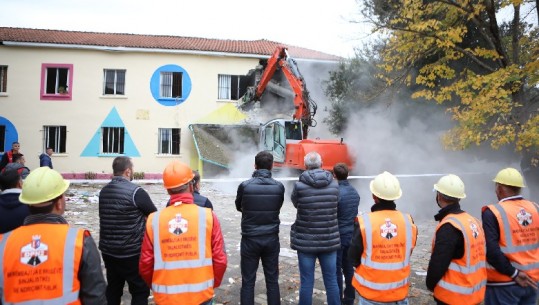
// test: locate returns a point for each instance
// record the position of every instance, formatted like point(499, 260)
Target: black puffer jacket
point(121, 222)
point(316, 228)
point(259, 200)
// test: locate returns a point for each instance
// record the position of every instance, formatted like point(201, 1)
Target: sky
point(319, 25)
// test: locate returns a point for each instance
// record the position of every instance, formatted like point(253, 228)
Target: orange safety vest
point(183, 268)
point(519, 237)
point(40, 264)
point(388, 240)
point(466, 277)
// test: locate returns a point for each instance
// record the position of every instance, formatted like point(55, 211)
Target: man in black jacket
point(12, 211)
point(200, 200)
point(260, 199)
point(123, 209)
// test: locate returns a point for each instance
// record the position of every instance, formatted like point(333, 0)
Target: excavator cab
point(273, 139)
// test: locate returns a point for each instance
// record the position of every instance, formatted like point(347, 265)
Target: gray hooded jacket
point(316, 229)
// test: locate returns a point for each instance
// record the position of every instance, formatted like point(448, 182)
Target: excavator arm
point(305, 108)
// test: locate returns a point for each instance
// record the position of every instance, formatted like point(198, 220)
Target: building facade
point(95, 96)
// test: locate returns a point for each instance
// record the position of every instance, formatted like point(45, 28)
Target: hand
point(524, 280)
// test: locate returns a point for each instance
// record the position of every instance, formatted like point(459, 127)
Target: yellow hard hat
point(509, 176)
point(451, 185)
point(386, 186)
point(177, 174)
point(42, 185)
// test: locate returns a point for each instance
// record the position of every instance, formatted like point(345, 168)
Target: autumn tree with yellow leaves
point(480, 58)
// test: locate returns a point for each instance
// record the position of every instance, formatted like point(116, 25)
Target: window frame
point(115, 82)
point(59, 142)
point(172, 133)
point(56, 96)
point(238, 80)
point(176, 83)
point(105, 130)
point(3, 79)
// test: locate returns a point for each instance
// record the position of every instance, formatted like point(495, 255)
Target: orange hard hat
point(177, 174)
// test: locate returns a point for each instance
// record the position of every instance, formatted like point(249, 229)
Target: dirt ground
point(82, 211)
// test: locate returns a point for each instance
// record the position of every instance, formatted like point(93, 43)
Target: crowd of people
point(178, 253)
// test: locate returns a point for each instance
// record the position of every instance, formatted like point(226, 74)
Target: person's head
point(10, 179)
point(196, 180)
point(312, 160)
point(15, 146)
point(509, 182)
point(264, 160)
point(49, 151)
point(178, 178)
point(123, 166)
point(19, 158)
point(385, 187)
point(43, 191)
point(449, 190)
point(340, 171)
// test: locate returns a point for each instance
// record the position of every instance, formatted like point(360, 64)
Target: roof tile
point(257, 47)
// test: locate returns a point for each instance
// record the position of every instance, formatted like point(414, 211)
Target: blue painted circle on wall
point(155, 85)
point(11, 133)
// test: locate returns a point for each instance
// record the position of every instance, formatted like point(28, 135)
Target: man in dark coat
point(200, 200)
point(260, 199)
point(346, 213)
point(123, 209)
point(45, 158)
point(315, 233)
point(12, 211)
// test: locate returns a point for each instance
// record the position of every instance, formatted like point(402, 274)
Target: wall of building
point(84, 114)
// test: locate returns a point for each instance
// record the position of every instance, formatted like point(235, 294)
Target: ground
point(82, 211)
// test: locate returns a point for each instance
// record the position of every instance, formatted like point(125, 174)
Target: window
point(231, 87)
point(3, 78)
point(112, 140)
point(171, 84)
point(56, 81)
point(55, 137)
point(2, 137)
point(114, 82)
point(169, 141)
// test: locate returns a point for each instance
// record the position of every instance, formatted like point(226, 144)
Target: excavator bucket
point(277, 98)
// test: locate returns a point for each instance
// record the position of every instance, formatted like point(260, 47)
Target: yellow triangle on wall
point(227, 114)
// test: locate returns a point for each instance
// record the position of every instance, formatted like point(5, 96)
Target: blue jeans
point(345, 267)
point(512, 294)
point(363, 301)
point(327, 262)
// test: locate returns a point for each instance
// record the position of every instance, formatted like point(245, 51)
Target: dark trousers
point(345, 267)
point(120, 270)
point(254, 249)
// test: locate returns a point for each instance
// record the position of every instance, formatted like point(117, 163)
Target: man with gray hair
point(315, 233)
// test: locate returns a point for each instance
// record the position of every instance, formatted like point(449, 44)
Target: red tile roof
point(256, 47)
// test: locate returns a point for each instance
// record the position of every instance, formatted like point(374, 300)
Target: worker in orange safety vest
point(512, 236)
point(381, 246)
point(457, 266)
point(183, 256)
point(45, 261)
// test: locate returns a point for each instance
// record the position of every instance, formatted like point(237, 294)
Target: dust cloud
point(405, 139)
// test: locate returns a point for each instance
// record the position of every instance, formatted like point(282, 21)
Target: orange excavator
point(287, 139)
